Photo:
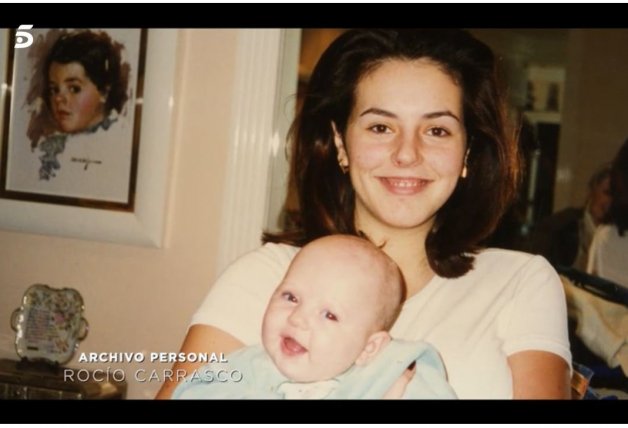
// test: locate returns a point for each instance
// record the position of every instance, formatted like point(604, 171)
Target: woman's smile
point(404, 185)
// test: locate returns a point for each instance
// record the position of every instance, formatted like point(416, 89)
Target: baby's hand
point(399, 387)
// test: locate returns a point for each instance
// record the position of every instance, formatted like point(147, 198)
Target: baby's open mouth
point(289, 346)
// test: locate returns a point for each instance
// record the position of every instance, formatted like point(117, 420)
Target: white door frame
point(263, 107)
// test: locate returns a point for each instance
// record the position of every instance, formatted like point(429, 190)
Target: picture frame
point(71, 121)
point(138, 219)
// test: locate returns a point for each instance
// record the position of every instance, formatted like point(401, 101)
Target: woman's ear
point(376, 342)
point(343, 158)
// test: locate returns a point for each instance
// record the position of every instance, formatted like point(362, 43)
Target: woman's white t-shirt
point(509, 302)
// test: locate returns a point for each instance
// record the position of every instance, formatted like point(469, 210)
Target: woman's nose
point(407, 151)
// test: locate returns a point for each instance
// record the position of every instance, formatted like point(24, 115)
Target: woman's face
point(75, 100)
point(404, 144)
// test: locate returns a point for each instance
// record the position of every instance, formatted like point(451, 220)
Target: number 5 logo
point(23, 39)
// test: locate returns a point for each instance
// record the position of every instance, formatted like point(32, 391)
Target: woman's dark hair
point(619, 190)
point(326, 196)
point(100, 57)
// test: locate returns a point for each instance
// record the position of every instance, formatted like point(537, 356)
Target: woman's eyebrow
point(73, 79)
point(386, 113)
point(378, 111)
point(440, 114)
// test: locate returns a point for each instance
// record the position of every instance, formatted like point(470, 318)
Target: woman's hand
point(200, 338)
point(399, 387)
point(539, 375)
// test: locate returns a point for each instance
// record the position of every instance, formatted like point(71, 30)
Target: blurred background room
point(230, 95)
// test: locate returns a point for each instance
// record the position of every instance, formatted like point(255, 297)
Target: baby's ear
point(376, 342)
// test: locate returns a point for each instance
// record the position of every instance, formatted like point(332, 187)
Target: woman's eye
point(54, 90)
point(380, 129)
point(330, 316)
point(75, 89)
point(289, 297)
point(437, 131)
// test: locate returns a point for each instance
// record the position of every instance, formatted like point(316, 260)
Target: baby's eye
point(437, 131)
point(286, 295)
point(330, 316)
point(380, 129)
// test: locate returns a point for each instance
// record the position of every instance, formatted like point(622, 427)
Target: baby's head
point(339, 298)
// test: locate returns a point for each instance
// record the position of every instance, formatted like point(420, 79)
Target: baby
point(325, 333)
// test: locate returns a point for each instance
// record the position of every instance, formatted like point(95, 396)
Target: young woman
point(402, 137)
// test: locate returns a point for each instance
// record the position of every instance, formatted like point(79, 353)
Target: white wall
point(141, 299)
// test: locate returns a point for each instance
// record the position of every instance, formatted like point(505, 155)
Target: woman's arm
point(200, 338)
point(539, 375)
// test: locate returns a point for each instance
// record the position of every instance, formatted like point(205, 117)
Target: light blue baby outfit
point(260, 379)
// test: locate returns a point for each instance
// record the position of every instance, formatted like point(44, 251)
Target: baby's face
point(75, 100)
point(319, 319)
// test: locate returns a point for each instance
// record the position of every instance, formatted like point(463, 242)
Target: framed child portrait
point(71, 122)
